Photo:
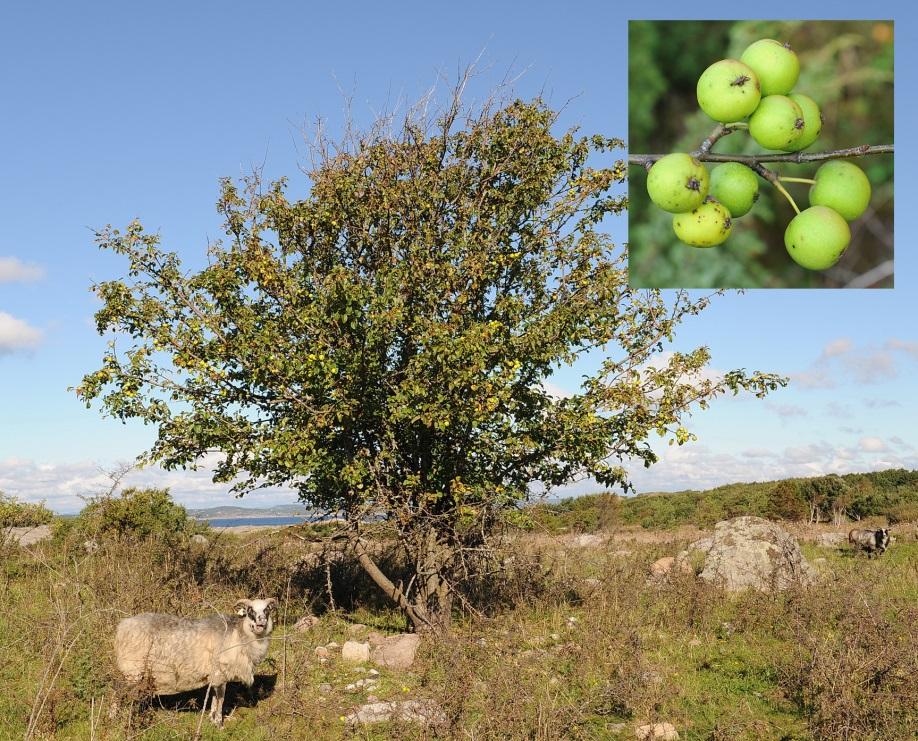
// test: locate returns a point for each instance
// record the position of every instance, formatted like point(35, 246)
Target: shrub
point(138, 514)
point(14, 513)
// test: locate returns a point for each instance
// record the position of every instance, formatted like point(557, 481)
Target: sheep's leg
point(216, 704)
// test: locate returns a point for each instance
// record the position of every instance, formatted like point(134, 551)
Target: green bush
point(14, 513)
point(137, 514)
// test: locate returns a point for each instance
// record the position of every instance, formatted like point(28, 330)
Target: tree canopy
point(383, 342)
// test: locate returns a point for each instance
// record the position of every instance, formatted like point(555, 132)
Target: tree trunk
point(429, 607)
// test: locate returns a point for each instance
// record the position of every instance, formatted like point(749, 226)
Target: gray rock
point(355, 652)
point(831, 540)
point(201, 540)
point(26, 535)
point(90, 546)
point(396, 652)
point(419, 711)
point(752, 552)
point(322, 652)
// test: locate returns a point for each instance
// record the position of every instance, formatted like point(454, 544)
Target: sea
point(240, 521)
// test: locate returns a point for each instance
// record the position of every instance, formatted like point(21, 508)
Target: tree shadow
point(237, 696)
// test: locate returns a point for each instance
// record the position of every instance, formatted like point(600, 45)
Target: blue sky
point(117, 110)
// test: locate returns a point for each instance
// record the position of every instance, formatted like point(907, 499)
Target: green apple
point(706, 226)
point(775, 64)
point(812, 120)
point(816, 238)
point(677, 183)
point(728, 90)
point(777, 123)
point(735, 186)
point(842, 186)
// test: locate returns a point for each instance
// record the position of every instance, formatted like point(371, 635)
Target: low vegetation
point(14, 513)
point(569, 640)
point(134, 514)
point(891, 495)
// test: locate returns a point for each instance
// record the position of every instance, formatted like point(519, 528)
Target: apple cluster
point(755, 92)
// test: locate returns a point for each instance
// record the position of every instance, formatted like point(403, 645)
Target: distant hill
point(230, 511)
point(891, 494)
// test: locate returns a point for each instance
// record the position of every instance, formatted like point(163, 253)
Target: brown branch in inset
point(720, 131)
point(752, 159)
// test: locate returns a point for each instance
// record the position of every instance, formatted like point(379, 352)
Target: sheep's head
point(257, 615)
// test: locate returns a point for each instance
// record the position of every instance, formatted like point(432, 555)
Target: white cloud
point(64, 485)
point(556, 392)
point(871, 367)
point(871, 444)
point(837, 347)
point(13, 270)
point(786, 411)
point(815, 378)
point(758, 453)
point(907, 346)
point(16, 334)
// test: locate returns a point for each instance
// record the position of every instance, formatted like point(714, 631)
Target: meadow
point(570, 639)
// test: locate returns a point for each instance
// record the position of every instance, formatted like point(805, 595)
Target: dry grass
point(574, 643)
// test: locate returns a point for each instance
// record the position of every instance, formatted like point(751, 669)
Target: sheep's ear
point(241, 607)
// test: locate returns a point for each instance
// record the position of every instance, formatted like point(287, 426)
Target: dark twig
point(720, 131)
point(753, 159)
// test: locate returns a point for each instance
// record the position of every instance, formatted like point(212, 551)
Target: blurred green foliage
point(891, 494)
point(846, 67)
point(15, 513)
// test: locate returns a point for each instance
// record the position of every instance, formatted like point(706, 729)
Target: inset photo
point(760, 154)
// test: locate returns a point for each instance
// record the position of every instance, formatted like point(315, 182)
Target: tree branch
point(753, 159)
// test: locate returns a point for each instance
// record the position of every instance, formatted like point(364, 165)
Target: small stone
point(657, 731)
point(373, 673)
point(305, 623)
point(325, 688)
point(356, 628)
point(554, 636)
point(372, 698)
point(355, 652)
point(200, 540)
point(331, 646)
point(321, 652)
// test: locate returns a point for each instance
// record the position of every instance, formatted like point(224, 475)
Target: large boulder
point(750, 552)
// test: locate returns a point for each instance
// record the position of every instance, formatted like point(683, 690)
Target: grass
point(578, 645)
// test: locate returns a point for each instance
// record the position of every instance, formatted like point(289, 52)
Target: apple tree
point(381, 340)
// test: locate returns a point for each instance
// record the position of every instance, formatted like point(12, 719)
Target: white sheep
point(179, 654)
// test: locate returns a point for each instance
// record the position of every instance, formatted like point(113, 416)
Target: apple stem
point(797, 180)
point(783, 191)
